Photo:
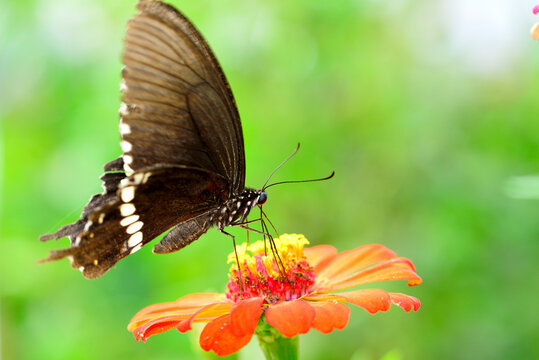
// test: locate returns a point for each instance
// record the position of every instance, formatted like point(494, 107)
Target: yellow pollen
point(268, 263)
point(257, 248)
point(289, 248)
point(251, 264)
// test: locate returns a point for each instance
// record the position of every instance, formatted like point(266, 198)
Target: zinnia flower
point(535, 28)
point(292, 292)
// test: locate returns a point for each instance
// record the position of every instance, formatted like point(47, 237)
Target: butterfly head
point(255, 197)
point(262, 197)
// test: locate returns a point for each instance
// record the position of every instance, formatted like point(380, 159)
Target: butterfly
point(183, 162)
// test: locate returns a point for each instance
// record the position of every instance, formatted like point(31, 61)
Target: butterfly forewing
point(174, 90)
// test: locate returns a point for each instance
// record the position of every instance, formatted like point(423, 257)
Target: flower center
point(283, 277)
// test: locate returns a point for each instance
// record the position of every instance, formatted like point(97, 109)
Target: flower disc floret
point(281, 275)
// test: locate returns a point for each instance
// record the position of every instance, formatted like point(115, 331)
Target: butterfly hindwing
point(111, 181)
point(146, 204)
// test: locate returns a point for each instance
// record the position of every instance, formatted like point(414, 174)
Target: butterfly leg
point(263, 214)
point(237, 259)
point(240, 222)
point(253, 230)
point(243, 224)
point(273, 248)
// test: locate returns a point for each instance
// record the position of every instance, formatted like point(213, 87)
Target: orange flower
point(293, 302)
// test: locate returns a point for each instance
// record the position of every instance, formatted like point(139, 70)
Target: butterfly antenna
point(278, 167)
point(300, 181)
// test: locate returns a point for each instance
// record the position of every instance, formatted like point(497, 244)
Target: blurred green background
point(427, 110)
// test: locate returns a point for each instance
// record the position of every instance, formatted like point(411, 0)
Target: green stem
point(274, 345)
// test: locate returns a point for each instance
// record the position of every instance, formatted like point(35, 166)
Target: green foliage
point(423, 126)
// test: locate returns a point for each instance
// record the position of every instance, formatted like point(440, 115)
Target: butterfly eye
point(262, 198)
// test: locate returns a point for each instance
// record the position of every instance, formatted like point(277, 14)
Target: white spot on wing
point(124, 110)
point(129, 220)
point(126, 146)
point(128, 169)
point(124, 128)
point(133, 228)
point(87, 225)
point(127, 209)
point(139, 177)
point(123, 86)
point(124, 182)
point(146, 177)
point(128, 159)
point(81, 269)
point(128, 194)
point(135, 239)
point(135, 249)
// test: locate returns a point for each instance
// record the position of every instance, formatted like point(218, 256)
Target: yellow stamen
point(289, 248)
point(257, 248)
point(268, 263)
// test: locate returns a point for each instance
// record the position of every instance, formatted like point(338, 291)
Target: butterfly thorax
point(236, 209)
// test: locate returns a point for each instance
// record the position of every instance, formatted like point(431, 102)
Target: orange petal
point(184, 306)
point(319, 253)
point(207, 313)
point(393, 269)
point(190, 301)
point(372, 300)
point(350, 261)
point(330, 315)
point(217, 336)
point(155, 327)
point(244, 316)
point(291, 318)
point(406, 302)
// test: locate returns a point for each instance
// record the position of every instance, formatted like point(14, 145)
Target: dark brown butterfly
point(183, 163)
